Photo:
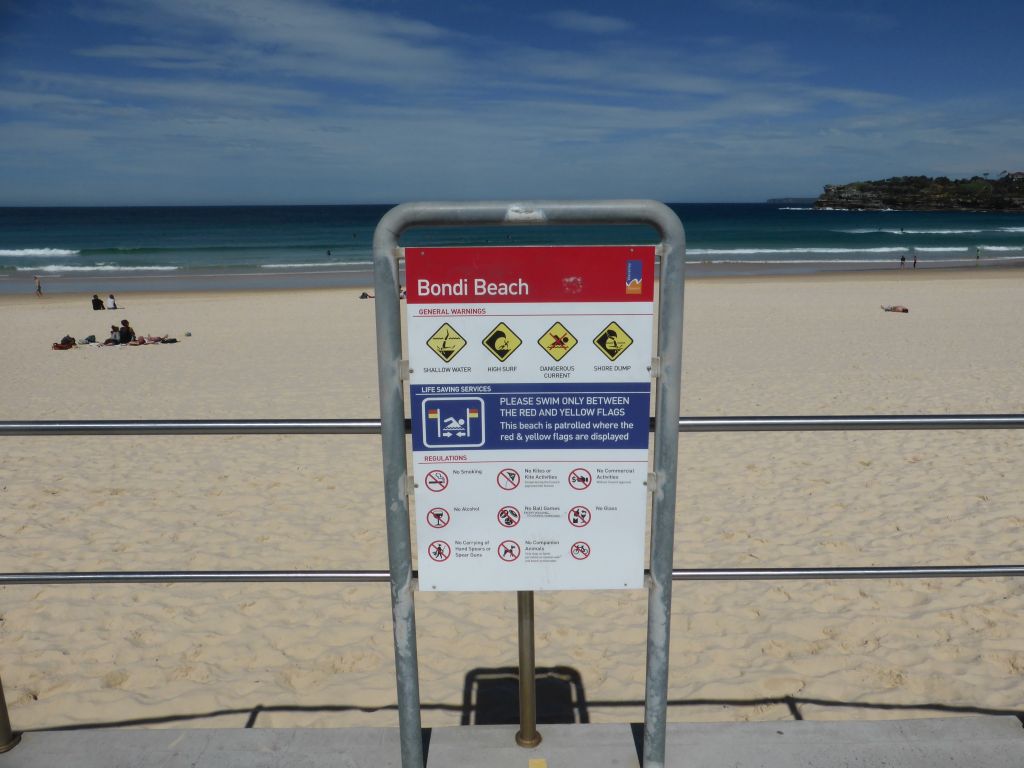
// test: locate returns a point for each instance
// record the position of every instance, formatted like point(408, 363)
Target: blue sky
point(324, 101)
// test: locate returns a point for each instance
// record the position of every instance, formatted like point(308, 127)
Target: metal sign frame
point(667, 370)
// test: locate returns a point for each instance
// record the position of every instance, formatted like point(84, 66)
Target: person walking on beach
point(39, 285)
point(915, 259)
point(903, 260)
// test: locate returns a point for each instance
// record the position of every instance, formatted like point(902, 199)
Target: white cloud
point(590, 23)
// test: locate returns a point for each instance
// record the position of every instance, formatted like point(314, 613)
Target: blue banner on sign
point(530, 416)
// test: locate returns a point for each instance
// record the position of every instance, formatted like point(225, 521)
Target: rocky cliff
point(923, 193)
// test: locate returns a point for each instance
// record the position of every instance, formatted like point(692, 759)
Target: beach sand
point(753, 346)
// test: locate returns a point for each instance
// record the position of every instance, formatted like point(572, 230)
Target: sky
point(150, 102)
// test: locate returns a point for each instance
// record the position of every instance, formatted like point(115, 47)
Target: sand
point(321, 655)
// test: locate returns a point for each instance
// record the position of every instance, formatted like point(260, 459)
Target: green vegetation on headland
point(923, 193)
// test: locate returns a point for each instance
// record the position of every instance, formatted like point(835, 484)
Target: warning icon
point(613, 341)
point(502, 342)
point(557, 341)
point(446, 342)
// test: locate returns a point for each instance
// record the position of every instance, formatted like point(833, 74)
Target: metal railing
point(692, 424)
point(9, 739)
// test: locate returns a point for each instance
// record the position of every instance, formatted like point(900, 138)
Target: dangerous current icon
point(557, 341)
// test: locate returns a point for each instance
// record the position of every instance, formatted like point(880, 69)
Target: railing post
point(527, 735)
point(8, 738)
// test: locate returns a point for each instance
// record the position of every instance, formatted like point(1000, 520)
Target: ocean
point(220, 247)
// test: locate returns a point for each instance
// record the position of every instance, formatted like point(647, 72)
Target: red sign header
point(530, 274)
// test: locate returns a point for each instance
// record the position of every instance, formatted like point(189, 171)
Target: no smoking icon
point(436, 480)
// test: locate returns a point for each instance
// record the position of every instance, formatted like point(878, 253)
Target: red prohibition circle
point(580, 550)
point(508, 479)
point(509, 517)
point(439, 551)
point(509, 550)
point(579, 516)
point(579, 479)
point(436, 480)
point(438, 517)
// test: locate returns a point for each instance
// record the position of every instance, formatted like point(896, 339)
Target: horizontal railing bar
point(812, 423)
point(194, 427)
point(872, 572)
point(681, 574)
point(195, 577)
point(372, 426)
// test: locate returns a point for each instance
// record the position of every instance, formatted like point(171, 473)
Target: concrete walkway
point(974, 742)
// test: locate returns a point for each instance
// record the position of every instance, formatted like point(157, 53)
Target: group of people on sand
point(120, 335)
point(125, 334)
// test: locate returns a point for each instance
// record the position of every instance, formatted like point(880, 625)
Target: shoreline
point(361, 276)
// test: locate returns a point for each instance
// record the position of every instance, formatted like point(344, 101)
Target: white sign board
point(530, 398)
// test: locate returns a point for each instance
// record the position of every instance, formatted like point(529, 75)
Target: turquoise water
point(61, 243)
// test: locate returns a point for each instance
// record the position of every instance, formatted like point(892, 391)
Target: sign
point(530, 397)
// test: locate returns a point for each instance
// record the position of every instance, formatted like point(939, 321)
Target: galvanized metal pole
point(663, 509)
point(527, 735)
point(390, 376)
point(541, 213)
point(8, 739)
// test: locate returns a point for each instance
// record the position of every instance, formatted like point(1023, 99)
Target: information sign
point(530, 395)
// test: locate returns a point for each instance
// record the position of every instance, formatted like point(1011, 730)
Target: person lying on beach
point(143, 339)
point(66, 343)
point(365, 295)
point(894, 308)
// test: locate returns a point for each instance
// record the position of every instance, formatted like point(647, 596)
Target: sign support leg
point(8, 739)
point(527, 735)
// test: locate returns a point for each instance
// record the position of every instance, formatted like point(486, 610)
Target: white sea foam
point(920, 249)
point(310, 264)
point(36, 253)
point(795, 262)
point(1019, 248)
point(1011, 229)
point(97, 268)
point(756, 251)
point(911, 231)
